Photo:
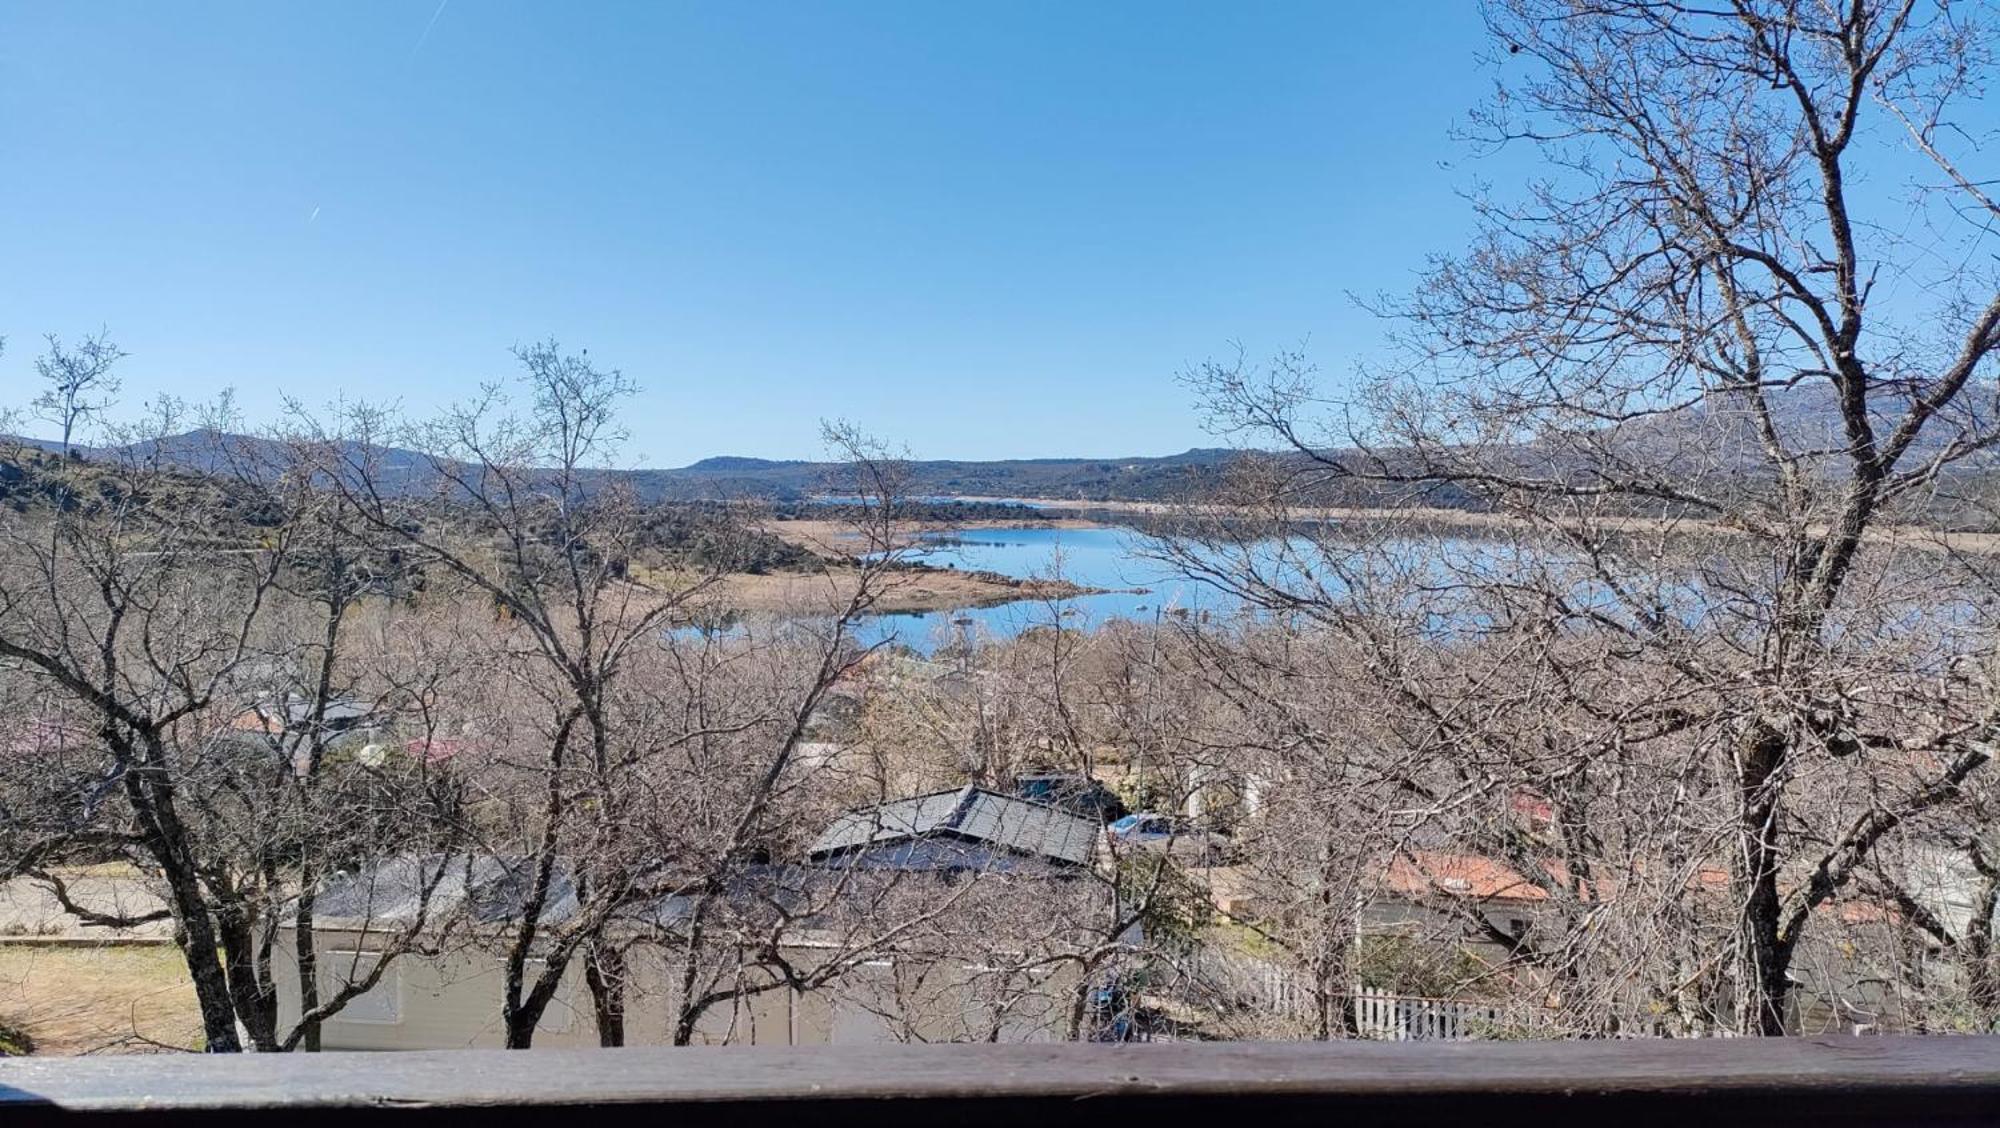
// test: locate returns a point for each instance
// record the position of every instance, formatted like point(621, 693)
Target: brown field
point(79, 1000)
point(800, 594)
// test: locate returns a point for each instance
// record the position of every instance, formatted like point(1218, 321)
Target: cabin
point(449, 993)
point(965, 829)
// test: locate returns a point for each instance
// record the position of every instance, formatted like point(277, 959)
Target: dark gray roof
point(485, 889)
point(970, 814)
point(340, 710)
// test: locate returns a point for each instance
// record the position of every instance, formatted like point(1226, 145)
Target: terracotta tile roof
point(256, 720)
point(1421, 873)
point(436, 750)
point(1532, 807)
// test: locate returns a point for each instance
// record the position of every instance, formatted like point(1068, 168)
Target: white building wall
point(453, 1002)
point(447, 1002)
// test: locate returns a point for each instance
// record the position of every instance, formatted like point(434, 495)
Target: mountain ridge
point(740, 476)
point(1716, 440)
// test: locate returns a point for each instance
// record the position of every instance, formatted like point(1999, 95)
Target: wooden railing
point(1695, 1084)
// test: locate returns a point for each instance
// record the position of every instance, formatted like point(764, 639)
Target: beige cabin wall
point(452, 1001)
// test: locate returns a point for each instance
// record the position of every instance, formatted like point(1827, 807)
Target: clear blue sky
point(981, 230)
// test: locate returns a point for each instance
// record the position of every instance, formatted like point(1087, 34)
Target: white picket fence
point(1259, 984)
point(1402, 1018)
point(1274, 989)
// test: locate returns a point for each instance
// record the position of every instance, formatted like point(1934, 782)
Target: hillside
point(728, 477)
point(225, 478)
point(1082, 479)
point(1714, 443)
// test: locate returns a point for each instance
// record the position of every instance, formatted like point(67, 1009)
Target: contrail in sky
point(429, 26)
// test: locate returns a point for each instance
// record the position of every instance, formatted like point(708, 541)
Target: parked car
point(1074, 792)
point(1180, 838)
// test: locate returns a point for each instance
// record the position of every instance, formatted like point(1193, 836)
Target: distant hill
point(1714, 440)
point(727, 464)
point(1070, 479)
point(731, 476)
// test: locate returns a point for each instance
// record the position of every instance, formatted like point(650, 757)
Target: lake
point(1139, 587)
point(1110, 558)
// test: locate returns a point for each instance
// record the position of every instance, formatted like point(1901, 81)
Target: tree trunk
point(684, 1025)
point(1333, 989)
point(211, 988)
point(255, 1003)
point(1763, 981)
point(690, 1011)
point(166, 840)
point(604, 972)
point(1981, 975)
point(308, 955)
point(524, 1017)
point(1079, 1007)
point(521, 1025)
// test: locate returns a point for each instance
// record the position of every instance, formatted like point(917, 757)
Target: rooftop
point(968, 814)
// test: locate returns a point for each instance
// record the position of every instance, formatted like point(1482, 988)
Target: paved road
point(28, 909)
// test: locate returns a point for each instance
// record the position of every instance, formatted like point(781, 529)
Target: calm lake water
point(1110, 558)
point(1142, 588)
point(1135, 585)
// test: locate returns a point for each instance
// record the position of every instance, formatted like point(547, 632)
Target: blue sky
point(979, 230)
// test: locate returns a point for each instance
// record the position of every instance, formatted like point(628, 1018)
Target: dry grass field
point(81, 1000)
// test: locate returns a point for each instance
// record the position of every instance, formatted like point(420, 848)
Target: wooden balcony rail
point(1693, 1084)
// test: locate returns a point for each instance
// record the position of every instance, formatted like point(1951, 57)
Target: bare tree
point(1712, 377)
point(82, 383)
point(137, 604)
point(723, 953)
point(516, 509)
point(523, 510)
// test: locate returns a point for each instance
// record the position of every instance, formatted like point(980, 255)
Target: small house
point(969, 829)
